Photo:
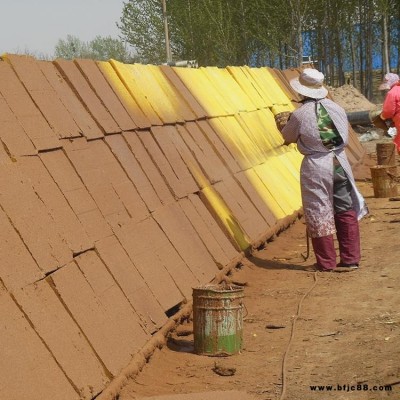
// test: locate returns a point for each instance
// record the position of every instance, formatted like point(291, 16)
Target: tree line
point(346, 37)
point(348, 40)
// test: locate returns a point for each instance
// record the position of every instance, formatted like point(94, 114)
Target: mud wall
point(121, 188)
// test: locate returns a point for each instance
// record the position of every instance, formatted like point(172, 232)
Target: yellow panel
point(269, 86)
point(222, 212)
point(123, 93)
point(281, 183)
point(291, 159)
point(204, 92)
point(242, 78)
point(263, 92)
point(262, 129)
point(198, 175)
point(182, 110)
point(136, 90)
point(155, 94)
point(265, 194)
point(245, 147)
point(239, 153)
point(233, 94)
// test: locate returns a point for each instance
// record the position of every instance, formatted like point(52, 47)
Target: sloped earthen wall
point(121, 188)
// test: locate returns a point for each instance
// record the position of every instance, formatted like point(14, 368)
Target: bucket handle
point(245, 309)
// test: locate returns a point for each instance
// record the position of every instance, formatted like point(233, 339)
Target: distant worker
point(391, 104)
point(331, 200)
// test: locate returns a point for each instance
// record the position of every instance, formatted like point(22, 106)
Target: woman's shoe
point(322, 269)
point(342, 267)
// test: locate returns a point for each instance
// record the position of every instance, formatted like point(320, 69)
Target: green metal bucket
point(218, 319)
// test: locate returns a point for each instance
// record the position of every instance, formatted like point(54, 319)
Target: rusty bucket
point(384, 180)
point(218, 319)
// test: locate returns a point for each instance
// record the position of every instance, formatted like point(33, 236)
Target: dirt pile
point(351, 99)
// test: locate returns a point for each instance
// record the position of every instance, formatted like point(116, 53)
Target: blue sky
point(37, 25)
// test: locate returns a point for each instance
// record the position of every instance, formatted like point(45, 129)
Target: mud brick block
point(28, 370)
point(242, 208)
point(67, 222)
point(260, 203)
point(178, 155)
point(81, 87)
point(206, 156)
point(212, 130)
point(186, 241)
point(17, 267)
point(87, 125)
point(130, 165)
point(25, 110)
point(12, 134)
point(104, 91)
point(150, 250)
point(63, 337)
point(131, 282)
point(115, 195)
point(149, 167)
point(175, 184)
point(219, 235)
point(137, 91)
point(101, 325)
point(76, 194)
point(204, 232)
point(112, 298)
point(32, 220)
point(182, 110)
point(44, 96)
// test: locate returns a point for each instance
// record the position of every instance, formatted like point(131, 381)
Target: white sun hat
point(310, 84)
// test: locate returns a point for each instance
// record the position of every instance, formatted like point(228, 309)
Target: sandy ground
point(336, 329)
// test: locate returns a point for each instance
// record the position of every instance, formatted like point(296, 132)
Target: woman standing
point(331, 200)
point(391, 103)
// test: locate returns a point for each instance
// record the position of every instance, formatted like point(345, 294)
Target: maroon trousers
point(348, 236)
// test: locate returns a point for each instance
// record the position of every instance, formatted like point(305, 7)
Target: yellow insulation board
point(268, 85)
point(265, 193)
point(136, 90)
point(262, 129)
point(234, 95)
point(242, 78)
point(161, 103)
point(225, 216)
point(243, 149)
point(204, 91)
point(181, 108)
point(282, 185)
point(263, 92)
point(122, 92)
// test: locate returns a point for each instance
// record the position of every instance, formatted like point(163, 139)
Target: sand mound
point(351, 99)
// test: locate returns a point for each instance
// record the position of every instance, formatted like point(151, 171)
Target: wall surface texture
point(122, 187)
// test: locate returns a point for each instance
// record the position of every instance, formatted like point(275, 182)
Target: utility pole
point(167, 45)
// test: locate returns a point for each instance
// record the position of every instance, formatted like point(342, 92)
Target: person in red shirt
point(391, 103)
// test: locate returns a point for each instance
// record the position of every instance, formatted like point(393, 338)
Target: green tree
point(142, 26)
point(340, 33)
point(105, 48)
point(72, 47)
point(100, 48)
